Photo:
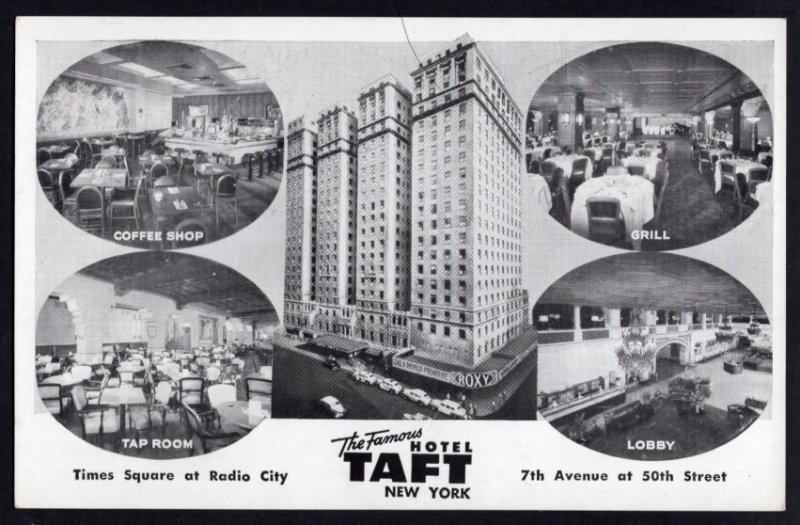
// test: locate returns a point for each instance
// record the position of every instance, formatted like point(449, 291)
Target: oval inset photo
point(652, 356)
point(650, 146)
point(159, 145)
point(156, 355)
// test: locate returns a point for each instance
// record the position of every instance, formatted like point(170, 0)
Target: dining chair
point(257, 388)
point(704, 164)
point(90, 210)
point(50, 189)
point(127, 201)
point(745, 203)
point(636, 169)
point(728, 173)
point(98, 421)
point(205, 439)
point(226, 192)
point(660, 185)
point(726, 155)
point(757, 176)
point(53, 399)
point(42, 156)
point(606, 223)
point(109, 160)
point(577, 177)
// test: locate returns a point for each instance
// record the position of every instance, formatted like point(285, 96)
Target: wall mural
point(82, 108)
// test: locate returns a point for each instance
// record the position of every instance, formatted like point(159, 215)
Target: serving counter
point(235, 149)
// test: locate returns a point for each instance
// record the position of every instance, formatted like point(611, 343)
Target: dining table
point(66, 379)
point(650, 164)
point(122, 397)
point(104, 178)
point(146, 161)
point(57, 150)
point(58, 165)
point(539, 152)
point(565, 162)
point(171, 205)
point(741, 166)
point(635, 194)
point(244, 414)
point(540, 192)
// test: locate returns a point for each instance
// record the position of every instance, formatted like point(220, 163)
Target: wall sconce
point(579, 119)
point(752, 120)
point(565, 118)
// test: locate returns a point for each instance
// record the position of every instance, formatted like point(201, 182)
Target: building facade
point(467, 299)
point(418, 249)
point(301, 209)
point(337, 184)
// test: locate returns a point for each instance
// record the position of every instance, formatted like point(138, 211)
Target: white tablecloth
point(636, 196)
point(650, 164)
point(540, 193)
point(565, 163)
point(763, 156)
point(763, 194)
point(538, 151)
point(741, 165)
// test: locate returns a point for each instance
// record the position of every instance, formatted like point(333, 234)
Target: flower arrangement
point(637, 352)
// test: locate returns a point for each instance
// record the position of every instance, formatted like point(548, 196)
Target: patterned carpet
point(690, 213)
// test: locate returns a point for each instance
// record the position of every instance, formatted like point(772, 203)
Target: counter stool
point(248, 159)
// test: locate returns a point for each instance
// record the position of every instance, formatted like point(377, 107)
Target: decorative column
point(612, 316)
point(570, 119)
point(736, 109)
point(576, 322)
point(703, 320)
point(612, 119)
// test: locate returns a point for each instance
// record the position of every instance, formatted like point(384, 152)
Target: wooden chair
point(206, 440)
point(98, 421)
point(54, 400)
point(90, 210)
point(606, 223)
point(577, 177)
point(257, 388)
point(704, 163)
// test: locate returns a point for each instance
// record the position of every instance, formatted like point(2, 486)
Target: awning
point(340, 344)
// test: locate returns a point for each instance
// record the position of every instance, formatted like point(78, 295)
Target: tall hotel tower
point(384, 197)
point(301, 206)
point(336, 207)
point(467, 298)
point(416, 222)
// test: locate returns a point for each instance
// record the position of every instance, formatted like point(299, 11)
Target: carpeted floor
point(691, 213)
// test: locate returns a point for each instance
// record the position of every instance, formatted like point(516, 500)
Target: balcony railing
point(595, 334)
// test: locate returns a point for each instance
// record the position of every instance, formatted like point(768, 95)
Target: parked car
point(332, 406)
point(417, 395)
point(390, 385)
point(415, 417)
point(363, 376)
point(449, 407)
point(332, 363)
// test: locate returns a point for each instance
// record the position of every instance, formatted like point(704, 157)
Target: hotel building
point(419, 248)
point(301, 207)
point(467, 299)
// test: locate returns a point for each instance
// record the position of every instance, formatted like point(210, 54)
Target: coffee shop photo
point(651, 146)
point(652, 356)
point(156, 354)
point(159, 144)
